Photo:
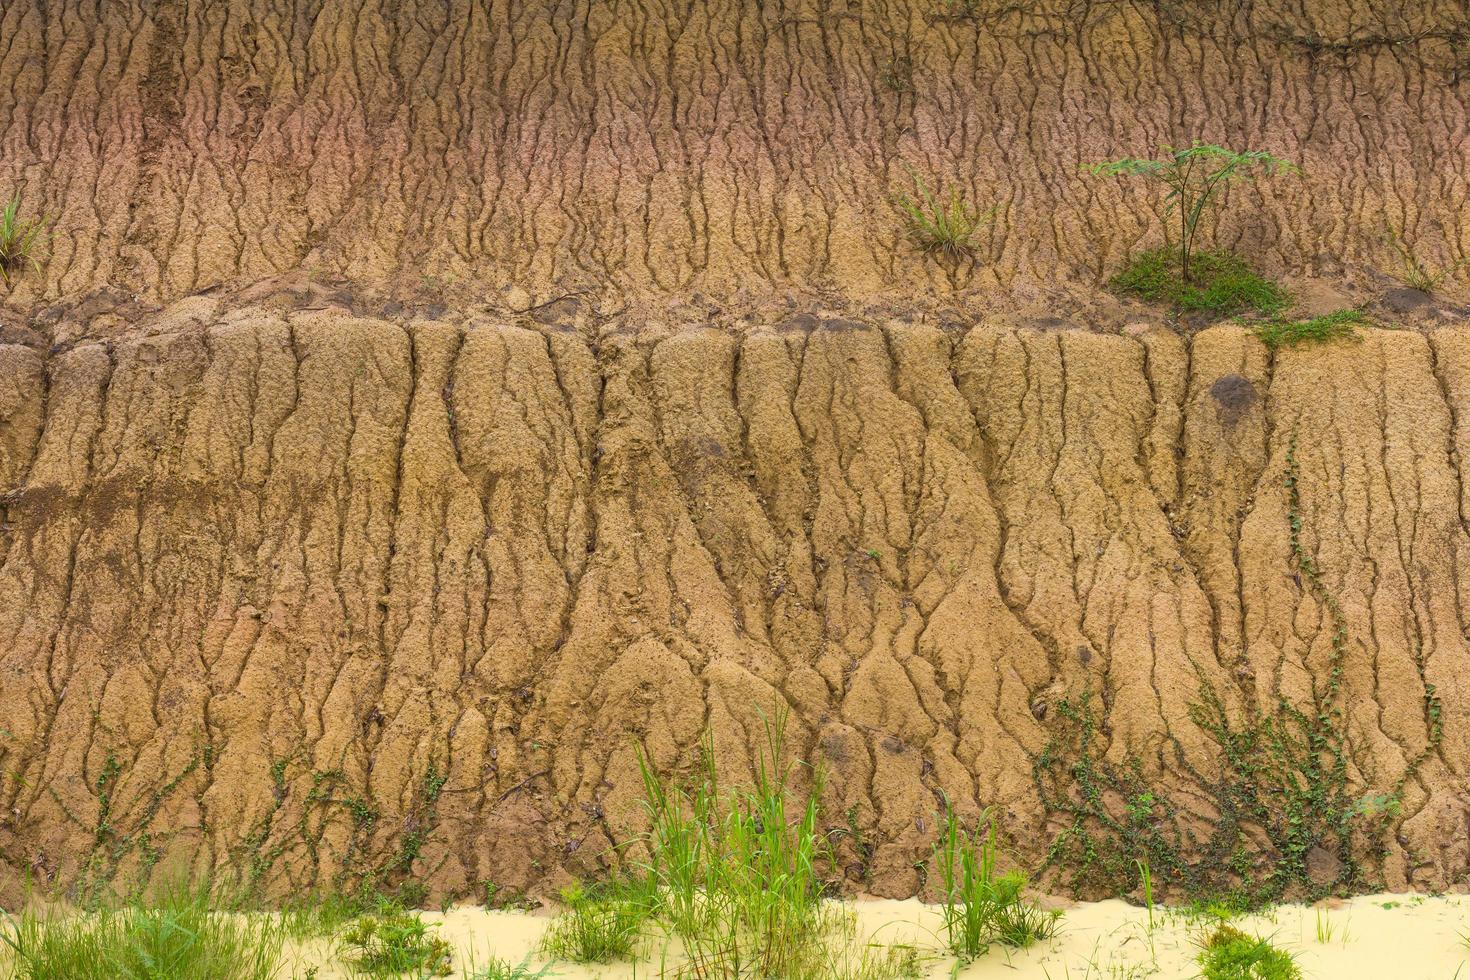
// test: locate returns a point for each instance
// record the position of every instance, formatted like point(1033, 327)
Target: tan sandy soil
point(1417, 938)
point(300, 590)
point(726, 147)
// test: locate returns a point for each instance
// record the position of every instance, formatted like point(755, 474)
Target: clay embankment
point(729, 147)
point(282, 587)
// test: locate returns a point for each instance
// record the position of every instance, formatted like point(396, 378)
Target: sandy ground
point(1374, 936)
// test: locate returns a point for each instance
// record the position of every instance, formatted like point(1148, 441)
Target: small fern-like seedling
point(1194, 176)
point(941, 225)
point(19, 239)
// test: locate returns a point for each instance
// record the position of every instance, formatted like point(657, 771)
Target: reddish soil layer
point(729, 147)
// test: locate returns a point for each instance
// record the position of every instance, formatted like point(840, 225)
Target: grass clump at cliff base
point(980, 905)
point(180, 934)
point(1219, 283)
point(742, 878)
point(737, 877)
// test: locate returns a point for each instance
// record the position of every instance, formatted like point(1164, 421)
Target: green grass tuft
point(600, 924)
point(19, 239)
point(1277, 333)
point(842, 956)
point(318, 915)
point(389, 942)
point(176, 935)
point(1020, 924)
point(1222, 284)
point(737, 872)
point(1229, 954)
point(738, 882)
point(979, 906)
point(503, 969)
point(941, 225)
point(1416, 274)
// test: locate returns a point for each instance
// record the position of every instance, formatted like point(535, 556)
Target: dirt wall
point(305, 593)
point(727, 147)
point(419, 405)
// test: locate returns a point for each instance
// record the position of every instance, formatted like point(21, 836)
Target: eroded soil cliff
point(730, 146)
point(299, 590)
point(419, 406)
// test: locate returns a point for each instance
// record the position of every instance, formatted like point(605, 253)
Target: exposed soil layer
point(728, 147)
point(305, 592)
point(419, 405)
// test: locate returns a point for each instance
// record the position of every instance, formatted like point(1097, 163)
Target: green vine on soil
point(1439, 45)
point(112, 842)
point(330, 795)
point(124, 846)
point(1282, 776)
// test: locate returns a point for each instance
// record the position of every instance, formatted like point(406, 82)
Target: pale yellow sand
point(1414, 937)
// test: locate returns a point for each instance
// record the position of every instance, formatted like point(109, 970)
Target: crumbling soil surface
point(315, 593)
point(728, 147)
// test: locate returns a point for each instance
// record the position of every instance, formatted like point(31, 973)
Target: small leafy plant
point(941, 225)
point(1229, 954)
point(1387, 804)
point(898, 74)
point(1416, 274)
point(1194, 177)
point(391, 941)
point(1277, 333)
